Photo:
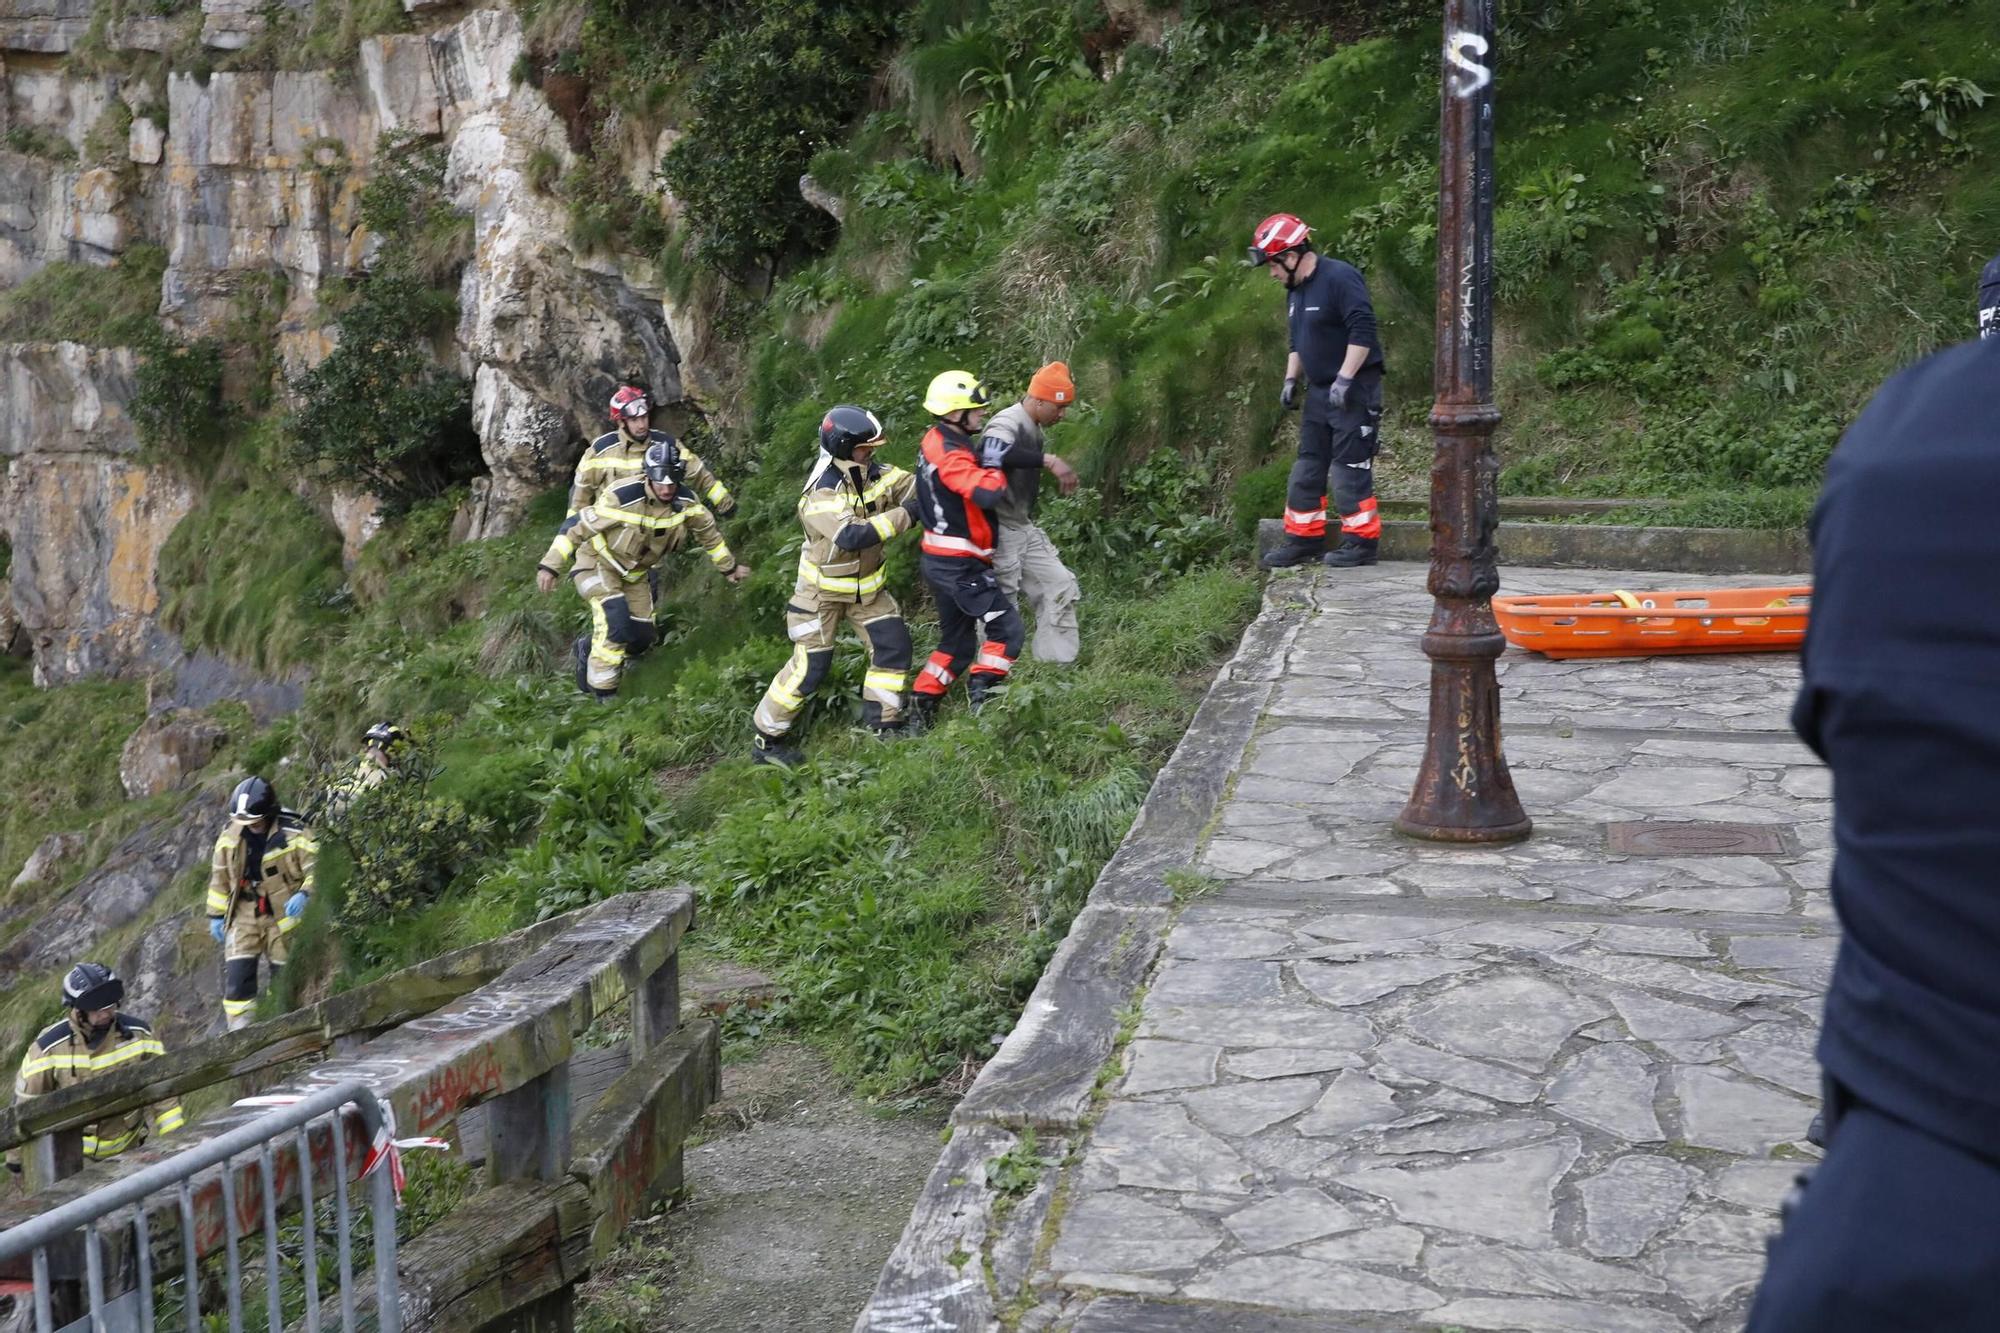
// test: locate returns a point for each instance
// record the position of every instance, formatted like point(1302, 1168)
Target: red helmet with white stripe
point(630, 401)
point(1275, 235)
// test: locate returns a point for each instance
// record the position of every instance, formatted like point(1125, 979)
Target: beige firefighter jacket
point(615, 456)
point(289, 856)
point(847, 525)
point(60, 1058)
point(626, 532)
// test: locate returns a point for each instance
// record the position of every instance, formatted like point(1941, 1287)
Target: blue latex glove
point(215, 928)
point(296, 905)
point(1336, 392)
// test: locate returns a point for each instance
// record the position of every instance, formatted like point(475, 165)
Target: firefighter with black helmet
point(960, 479)
point(1335, 349)
point(381, 749)
point(620, 455)
point(259, 881)
point(853, 505)
point(616, 540)
point(93, 1037)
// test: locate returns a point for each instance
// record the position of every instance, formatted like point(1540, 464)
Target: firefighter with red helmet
point(616, 540)
point(1336, 351)
point(853, 506)
point(620, 454)
point(960, 479)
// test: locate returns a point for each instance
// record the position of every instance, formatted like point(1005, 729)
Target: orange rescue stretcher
point(1629, 624)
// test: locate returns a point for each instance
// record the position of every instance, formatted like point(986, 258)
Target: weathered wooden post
point(45, 1159)
point(528, 1138)
point(656, 1007)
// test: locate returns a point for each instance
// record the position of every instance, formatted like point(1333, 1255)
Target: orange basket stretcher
point(1628, 624)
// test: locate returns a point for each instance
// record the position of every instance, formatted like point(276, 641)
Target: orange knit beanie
point(1052, 384)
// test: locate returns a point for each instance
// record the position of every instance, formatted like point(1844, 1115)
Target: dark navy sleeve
point(1356, 311)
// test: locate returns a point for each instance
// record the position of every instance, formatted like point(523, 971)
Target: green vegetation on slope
point(1722, 222)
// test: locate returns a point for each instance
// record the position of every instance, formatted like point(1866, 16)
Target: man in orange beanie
point(1024, 559)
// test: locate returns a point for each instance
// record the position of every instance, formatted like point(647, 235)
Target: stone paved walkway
point(1401, 1086)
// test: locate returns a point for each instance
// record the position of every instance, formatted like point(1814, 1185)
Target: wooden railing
point(492, 1027)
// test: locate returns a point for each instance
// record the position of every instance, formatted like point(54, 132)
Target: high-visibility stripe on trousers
point(813, 625)
point(256, 931)
point(621, 625)
point(978, 628)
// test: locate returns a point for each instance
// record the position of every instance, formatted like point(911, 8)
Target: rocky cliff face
point(241, 176)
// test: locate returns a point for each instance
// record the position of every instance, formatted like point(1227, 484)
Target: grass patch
point(114, 305)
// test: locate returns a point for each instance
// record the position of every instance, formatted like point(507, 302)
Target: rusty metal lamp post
point(1463, 791)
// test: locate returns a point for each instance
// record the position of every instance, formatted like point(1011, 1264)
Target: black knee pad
point(816, 669)
point(239, 979)
point(890, 638)
point(619, 627)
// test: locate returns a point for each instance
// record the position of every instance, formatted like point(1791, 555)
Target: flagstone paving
point(1394, 1085)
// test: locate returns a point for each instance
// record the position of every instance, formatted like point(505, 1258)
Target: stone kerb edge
point(1045, 1074)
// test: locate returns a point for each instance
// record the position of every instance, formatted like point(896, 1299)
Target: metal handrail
point(34, 1237)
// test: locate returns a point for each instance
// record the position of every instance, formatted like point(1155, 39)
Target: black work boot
point(923, 713)
point(1292, 551)
point(872, 723)
point(580, 651)
point(1354, 551)
point(982, 690)
point(771, 750)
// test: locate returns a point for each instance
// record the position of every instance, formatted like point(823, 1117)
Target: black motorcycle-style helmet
point(847, 427)
point(92, 986)
point(665, 464)
point(252, 800)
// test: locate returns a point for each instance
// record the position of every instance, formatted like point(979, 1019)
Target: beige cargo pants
point(1026, 561)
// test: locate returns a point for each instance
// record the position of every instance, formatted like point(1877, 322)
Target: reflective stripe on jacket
point(616, 457)
point(846, 531)
point(954, 493)
point(60, 1058)
point(627, 532)
point(289, 856)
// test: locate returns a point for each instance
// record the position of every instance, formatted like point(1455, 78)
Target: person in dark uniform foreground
point(1898, 1230)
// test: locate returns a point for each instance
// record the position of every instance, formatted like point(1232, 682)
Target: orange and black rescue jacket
point(955, 491)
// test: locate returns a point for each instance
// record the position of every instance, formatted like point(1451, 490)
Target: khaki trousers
point(1033, 576)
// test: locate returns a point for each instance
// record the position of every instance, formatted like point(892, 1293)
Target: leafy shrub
point(110, 305)
point(766, 97)
point(378, 414)
point(406, 845)
point(177, 404)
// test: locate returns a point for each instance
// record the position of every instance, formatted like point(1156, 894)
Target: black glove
point(727, 511)
point(1289, 398)
point(915, 512)
point(1336, 392)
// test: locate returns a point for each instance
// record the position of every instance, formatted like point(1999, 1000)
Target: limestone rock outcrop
point(84, 517)
point(166, 751)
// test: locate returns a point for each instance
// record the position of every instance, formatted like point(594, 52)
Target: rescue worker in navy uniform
point(617, 539)
point(260, 878)
point(853, 506)
point(620, 455)
point(960, 478)
point(93, 1037)
point(1335, 351)
point(1989, 299)
point(1898, 1229)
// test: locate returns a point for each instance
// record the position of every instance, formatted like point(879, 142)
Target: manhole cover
point(1646, 838)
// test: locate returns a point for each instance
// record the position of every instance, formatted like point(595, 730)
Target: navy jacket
point(1325, 313)
point(1901, 697)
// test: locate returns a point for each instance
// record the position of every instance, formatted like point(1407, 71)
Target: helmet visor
point(638, 407)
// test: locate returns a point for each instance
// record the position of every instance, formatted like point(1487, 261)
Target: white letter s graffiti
point(1474, 75)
